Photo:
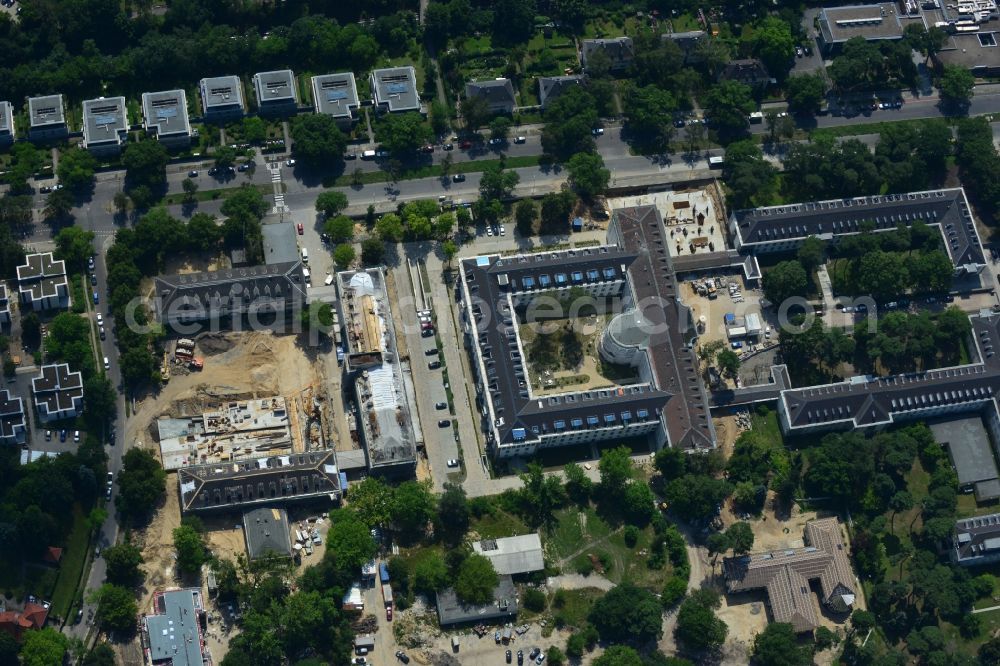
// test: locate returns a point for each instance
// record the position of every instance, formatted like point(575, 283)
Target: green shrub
point(533, 600)
point(631, 535)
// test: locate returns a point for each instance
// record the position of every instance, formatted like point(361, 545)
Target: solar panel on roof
point(105, 119)
point(336, 95)
point(397, 88)
point(166, 113)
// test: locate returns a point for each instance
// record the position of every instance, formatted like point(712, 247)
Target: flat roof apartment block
point(277, 481)
point(385, 421)
point(276, 93)
point(174, 632)
point(872, 22)
point(977, 52)
point(222, 98)
point(550, 87)
point(58, 392)
point(105, 125)
point(497, 93)
point(395, 89)
point(234, 292)
point(12, 422)
point(165, 116)
point(7, 132)
point(786, 575)
point(336, 95)
point(46, 118)
point(620, 51)
point(42, 282)
point(971, 455)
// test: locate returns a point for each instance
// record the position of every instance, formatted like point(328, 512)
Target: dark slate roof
point(272, 481)
point(266, 530)
point(976, 538)
point(11, 415)
point(502, 607)
point(674, 365)
point(748, 70)
point(496, 92)
point(198, 296)
point(947, 208)
point(57, 388)
point(489, 280)
point(550, 87)
point(619, 49)
point(870, 401)
point(677, 392)
point(40, 265)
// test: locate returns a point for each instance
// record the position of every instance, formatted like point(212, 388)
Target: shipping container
point(387, 594)
point(383, 572)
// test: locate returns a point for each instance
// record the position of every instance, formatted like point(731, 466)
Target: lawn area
point(73, 561)
point(498, 524)
point(579, 534)
point(550, 56)
point(571, 607)
point(765, 422)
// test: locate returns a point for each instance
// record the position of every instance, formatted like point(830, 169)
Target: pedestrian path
point(279, 195)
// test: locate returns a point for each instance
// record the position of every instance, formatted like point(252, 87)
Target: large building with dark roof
point(668, 401)
point(105, 125)
point(277, 481)
point(42, 282)
point(786, 575)
point(784, 228)
point(235, 292)
point(620, 51)
point(58, 392)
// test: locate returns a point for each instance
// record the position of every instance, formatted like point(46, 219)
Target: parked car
point(434, 365)
point(507, 656)
point(97, 299)
point(402, 656)
point(192, 174)
point(300, 228)
point(290, 163)
point(437, 405)
point(519, 139)
point(448, 146)
point(431, 352)
point(427, 332)
point(503, 230)
point(76, 436)
point(444, 423)
point(495, 141)
point(496, 636)
point(458, 178)
point(452, 462)
point(48, 435)
point(62, 435)
point(520, 657)
point(100, 319)
point(597, 131)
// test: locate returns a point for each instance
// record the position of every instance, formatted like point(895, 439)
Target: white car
point(452, 462)
point(503, 230)
point(495, 142)
point(597, 131)
point(329, 279)
point(290, 163)
point(489, 230)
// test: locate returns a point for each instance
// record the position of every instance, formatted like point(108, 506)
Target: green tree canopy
point(316, 140)
point(697, 626)
point(957, 85)
point(402, 133)
point(728, 105)
point(785, 280)
point(123, 564)
point(627, 613)
point(778, 645)
point(75, 246)
point(116, 608)
point(76, 169)
point(331, 202)
point(145, 164)
point(141, 483)
point(190, 547)
point(587, 174)
point(476, 580)
point(805, 92)
point(44, 647)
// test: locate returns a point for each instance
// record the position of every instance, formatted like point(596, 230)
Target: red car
point(465, 145)
point(388, 614)
point(301, 230)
